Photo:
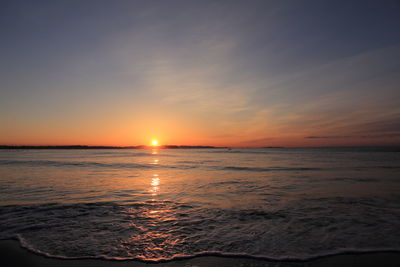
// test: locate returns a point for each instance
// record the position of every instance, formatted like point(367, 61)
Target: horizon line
point(175, 146)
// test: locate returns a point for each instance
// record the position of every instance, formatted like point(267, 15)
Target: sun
point(154, 142)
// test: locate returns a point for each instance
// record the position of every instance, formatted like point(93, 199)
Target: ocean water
point(168, 203)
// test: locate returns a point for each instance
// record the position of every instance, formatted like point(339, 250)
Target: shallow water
point(167, 203)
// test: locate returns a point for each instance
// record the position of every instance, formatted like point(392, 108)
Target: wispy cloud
point(382, 126)
point(353, 136)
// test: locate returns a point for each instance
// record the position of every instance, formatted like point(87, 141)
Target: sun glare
point(154, 142)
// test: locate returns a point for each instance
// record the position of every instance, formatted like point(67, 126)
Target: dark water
point(162, 204)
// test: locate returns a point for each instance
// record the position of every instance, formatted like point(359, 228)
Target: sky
point(225, 73)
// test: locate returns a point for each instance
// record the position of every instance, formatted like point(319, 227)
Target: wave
point(23, 243)
point(298, 230)
point(242, 151)
point(184, 165)
point(259, 169)
point(72, 163)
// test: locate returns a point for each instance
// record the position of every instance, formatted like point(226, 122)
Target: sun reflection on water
point(154, 162)
point(155, 182)
point(151, 224)
point(149, 232)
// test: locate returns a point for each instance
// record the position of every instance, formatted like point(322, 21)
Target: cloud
point(352, 136)
point(325, 137)
point(383, 126)
point(258, 141)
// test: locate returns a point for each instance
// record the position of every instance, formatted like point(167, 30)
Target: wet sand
point(13, 255)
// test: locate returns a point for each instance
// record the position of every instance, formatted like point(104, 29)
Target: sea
point(163, 204)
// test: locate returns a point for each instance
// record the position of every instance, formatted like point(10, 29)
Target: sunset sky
point(224, 73)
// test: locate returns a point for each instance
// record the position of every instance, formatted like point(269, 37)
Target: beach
point(13, 255)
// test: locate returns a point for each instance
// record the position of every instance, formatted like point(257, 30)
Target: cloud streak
point(353, 136)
